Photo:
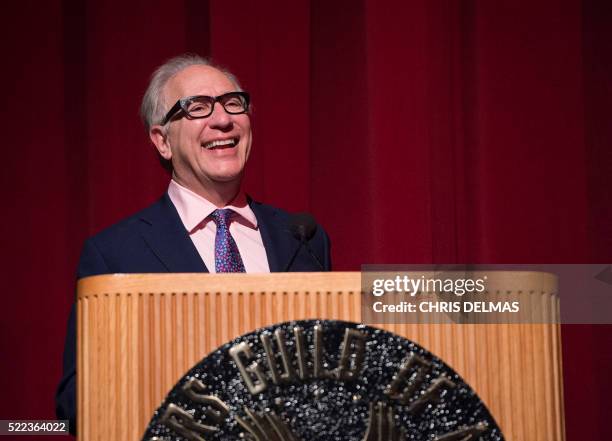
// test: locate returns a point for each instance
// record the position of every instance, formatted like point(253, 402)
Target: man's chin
point(226, 178)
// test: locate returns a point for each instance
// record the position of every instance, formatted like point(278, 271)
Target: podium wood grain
point(139, 334)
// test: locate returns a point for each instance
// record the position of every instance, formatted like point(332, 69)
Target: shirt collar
point(193, 209)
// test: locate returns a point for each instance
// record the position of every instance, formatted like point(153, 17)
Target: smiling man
point(207, 134)
point(197, 116)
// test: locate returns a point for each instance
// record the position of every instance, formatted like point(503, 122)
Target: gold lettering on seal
point(466, 434)
point(432, 394)
point(298, 334)
point(353, 349)
point(409, 379)
point(183, 423)
point(319, 370)
point(289, 373)
point(381, 424)
point(243, 350)
point(266, 426)
point(218, 411)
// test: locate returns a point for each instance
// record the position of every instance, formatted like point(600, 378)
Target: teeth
point(219, 142)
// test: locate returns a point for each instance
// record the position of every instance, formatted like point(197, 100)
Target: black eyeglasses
point(201, 106)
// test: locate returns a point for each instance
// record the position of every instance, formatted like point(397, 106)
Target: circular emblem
point(322, 380)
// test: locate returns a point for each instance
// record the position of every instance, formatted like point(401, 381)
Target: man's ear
point(160, 141)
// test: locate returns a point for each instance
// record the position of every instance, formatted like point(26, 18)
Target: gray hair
point(154, 105)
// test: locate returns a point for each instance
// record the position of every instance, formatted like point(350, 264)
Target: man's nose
point(219, 118)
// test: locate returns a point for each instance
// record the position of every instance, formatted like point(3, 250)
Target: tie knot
point(221, 216)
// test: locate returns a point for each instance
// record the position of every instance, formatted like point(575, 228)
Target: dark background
point(415, 131)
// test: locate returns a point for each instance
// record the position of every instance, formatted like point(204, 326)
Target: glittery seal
point(322, 380)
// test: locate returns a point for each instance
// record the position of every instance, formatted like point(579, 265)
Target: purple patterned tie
point(227, 256)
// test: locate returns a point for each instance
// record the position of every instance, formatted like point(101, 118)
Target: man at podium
point(197, 117)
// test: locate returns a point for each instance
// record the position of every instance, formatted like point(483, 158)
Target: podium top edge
point(338, 281)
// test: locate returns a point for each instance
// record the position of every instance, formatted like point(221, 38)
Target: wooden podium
point(139, 334)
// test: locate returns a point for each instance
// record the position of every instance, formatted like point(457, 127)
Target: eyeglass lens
point(202, 106)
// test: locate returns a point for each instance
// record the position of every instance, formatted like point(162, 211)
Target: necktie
point(227, 256)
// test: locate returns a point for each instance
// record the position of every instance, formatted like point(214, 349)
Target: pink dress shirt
point(194, 211)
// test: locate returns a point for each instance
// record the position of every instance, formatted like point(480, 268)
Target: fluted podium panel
point(139, 334)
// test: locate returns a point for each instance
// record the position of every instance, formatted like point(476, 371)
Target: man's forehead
point(199, 80)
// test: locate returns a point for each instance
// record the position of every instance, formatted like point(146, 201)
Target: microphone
point(303, 227)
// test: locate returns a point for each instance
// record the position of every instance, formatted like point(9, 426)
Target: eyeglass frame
point(179, 105)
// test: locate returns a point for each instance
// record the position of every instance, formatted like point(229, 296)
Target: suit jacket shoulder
point(151, 241)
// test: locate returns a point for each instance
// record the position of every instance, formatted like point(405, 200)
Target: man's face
point(198, 163)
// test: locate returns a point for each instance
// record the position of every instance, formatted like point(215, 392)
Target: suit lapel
point(275, 234)
point(165, 234)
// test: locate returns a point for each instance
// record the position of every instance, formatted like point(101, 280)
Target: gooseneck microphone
point(303, 227)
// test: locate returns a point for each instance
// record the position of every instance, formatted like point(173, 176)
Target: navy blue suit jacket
point(156, 241)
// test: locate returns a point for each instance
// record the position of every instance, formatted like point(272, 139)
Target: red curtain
point(415, 131)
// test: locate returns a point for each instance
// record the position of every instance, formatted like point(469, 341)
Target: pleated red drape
point(415, 131)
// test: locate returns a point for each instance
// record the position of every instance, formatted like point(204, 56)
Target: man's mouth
point(220, 143)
